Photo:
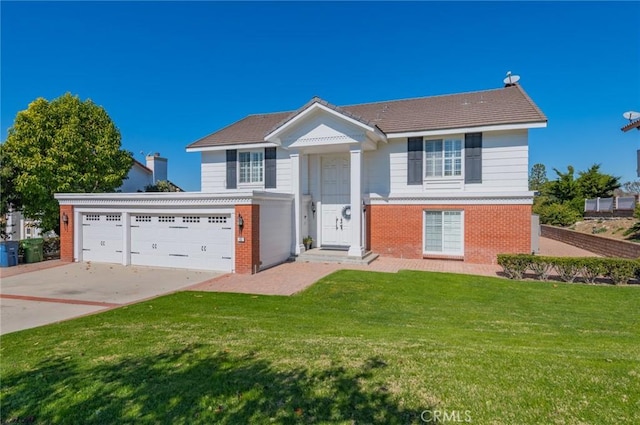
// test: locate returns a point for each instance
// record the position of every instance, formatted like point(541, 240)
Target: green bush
point(592, 268)
point(557, 214)
point(618, 270)
point(621, 271)
point(541, 266)
point(514, 266)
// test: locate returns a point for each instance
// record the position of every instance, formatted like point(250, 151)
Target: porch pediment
point(320, 124)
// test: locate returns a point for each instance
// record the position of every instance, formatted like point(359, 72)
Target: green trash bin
point(32, 249)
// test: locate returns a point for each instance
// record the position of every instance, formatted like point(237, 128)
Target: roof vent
point(511, 80)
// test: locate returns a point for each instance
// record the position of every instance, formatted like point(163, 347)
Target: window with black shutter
point(414, 160)
point(270, 168)
point(473, 158)
point(232, 165)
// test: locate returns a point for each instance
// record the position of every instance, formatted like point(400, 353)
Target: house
point(141, 176)
point(430, 177)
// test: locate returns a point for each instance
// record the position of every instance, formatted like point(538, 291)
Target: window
point(443, 158)
point(251, 167)
point(443, 232)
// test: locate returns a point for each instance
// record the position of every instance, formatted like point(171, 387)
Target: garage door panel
point(189, 241)
point(102, 237)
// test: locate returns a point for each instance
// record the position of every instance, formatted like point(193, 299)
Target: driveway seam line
point(59, 300)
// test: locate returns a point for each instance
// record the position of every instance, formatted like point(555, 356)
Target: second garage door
point(184, 241)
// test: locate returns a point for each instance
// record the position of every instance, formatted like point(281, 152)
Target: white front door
point(102, 237)
point(335, 214)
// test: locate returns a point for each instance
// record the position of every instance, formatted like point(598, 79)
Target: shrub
point(592, 267)
point(620, 271)
point(51, 247)
point(541, 266)
point(558, 214)
point(514, 266)
point(567, 268)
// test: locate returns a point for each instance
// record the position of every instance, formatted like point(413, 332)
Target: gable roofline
point(141, 165)
point(499, 107)
point(318, 103)
point(632, 124)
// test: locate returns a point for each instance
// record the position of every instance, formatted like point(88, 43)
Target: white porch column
point(296, 181)
point(356, 248)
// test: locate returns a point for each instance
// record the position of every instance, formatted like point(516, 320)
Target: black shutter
point(232, 166)
point(414, 160)
point(473, 158)
point(270, 168)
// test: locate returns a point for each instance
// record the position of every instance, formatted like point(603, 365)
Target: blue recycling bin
point(8, 253)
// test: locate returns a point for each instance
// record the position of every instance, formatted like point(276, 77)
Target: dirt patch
point(618, 228)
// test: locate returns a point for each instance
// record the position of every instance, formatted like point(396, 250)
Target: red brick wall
point(397, 230)
point(594, 243)
point(66, 234)
point(248, 252)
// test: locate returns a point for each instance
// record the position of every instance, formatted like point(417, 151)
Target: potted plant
point(308, 242)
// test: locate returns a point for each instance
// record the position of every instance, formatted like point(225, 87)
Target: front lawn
point(357, 347)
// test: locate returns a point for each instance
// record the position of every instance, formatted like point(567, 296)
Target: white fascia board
point(274, 135)
point(498, 127)
point(164, 199)
point(239, 146)
point(479, 198)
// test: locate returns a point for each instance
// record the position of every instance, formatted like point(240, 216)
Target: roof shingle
point(508, 105)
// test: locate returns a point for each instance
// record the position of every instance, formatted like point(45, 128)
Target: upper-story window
point(443, 158)
point(251, 167)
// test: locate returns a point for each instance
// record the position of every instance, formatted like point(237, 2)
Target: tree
point(565, 188)
point(631, 187)
point(162, 186)
point(594, 184)
point(66, 145)
point(537, 177)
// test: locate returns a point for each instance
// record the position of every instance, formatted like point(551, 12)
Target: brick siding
point(597, 244)
point(66, 234)
point(248, 252)
point(489, 230)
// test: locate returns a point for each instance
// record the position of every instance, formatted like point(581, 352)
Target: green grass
point(357, 347)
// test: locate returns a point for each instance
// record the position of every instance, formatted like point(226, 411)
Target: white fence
point(619, 203)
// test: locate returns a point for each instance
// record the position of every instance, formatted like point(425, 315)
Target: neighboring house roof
point(142, 166)
point(508, 105)
point(632, 124)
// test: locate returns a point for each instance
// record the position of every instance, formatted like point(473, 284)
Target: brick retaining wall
point(597, 244)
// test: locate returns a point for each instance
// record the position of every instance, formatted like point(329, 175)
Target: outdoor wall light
point(364, 207)
point(240, 222)
point(313, 208)
point(65, 219)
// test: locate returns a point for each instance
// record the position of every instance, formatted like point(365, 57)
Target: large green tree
point(66, 145)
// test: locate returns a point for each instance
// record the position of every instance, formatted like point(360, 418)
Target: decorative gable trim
point(276, 134)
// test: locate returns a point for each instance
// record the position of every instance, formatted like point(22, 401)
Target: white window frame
point(254, 180)
point(443, 158)
point(459, 252)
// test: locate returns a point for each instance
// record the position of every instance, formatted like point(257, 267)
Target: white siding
point(276, 232)
point(504, 167)
point(505, 162)
point(137, 179)
point(214, 171)
point(322, 129)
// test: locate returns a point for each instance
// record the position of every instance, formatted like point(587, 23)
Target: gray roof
point(508, 105)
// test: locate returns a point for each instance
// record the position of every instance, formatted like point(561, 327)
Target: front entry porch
point(321, 255)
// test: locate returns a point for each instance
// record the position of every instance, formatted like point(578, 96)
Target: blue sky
point(169, 73)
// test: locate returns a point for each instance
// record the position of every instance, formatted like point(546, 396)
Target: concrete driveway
point(46, 296)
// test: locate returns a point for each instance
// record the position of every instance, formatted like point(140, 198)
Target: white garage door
point(102, 237)
point(184, 241)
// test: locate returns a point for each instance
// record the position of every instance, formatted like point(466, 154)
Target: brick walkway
point(289, 278)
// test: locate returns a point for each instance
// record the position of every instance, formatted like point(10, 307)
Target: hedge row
point(620, 271)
